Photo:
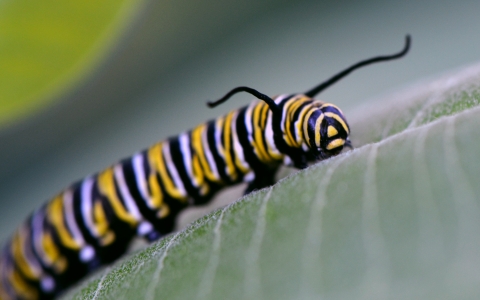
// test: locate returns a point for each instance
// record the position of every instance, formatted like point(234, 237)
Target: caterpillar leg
point(261, 180)
point(300, 161)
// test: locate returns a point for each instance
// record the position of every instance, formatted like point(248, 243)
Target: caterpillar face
point(328, 131)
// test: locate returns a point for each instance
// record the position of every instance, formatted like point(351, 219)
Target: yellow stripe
point(300, 121)
point(227, 134)
point(318, 124)
point(22, 288)
point(335, 143)
point(290, 114)
point(17, 248)
point(263, 119)
point(164, 211)
point(268, 153)
point(331, 105)
point(157, 196)
point(305, 125)
point(339, 120)
point(219, 128)
point(198, 147)
point(49, 247)
point(258, 132)
point(274, 154)
point(53, 254)
point(101, 221)
point(286, 110)
point(238, 162)
point(106, 235)
point(199, 176)
point(106, 185)
point(56, 218)
point(155, 156)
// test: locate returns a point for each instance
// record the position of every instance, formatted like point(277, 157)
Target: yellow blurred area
point(47, 45)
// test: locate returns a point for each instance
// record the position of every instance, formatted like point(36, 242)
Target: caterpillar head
point(326, 131)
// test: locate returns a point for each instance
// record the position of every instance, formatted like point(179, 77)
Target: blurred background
point(84, 83)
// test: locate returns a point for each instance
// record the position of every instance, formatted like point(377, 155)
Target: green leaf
point(396, 218)
point(48, 45)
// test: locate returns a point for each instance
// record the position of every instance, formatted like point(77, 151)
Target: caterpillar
point(91, 222)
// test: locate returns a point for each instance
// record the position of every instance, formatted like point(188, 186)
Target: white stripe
point(127, 198)
point(218, 139)
point(279, 100)
point(70, 217)
point(172, 169)
point(269, 134)
point(140, 177)
point(37, 229)
point(187, 156)
point(284, 116)
point(297, 132)
point(236, 144)
point(87, 252)
point(86, 205)
point(248, 120)
point(208, 153)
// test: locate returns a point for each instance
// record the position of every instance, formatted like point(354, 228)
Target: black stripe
point(242, 132)
point(277, 128)
point(167, 170)
point(166, 224)
point(27, 247)
point(123, 231)
point(31, 223)
point(295, 119)
point(263, 126)
point(213, 147)
point(117, 187)
point(79, 219)
point(332, 110)
point(311, 128)
point(233, 156)
point(177, 158)
point(130, 179)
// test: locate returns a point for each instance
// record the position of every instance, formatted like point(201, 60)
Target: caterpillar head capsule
point(326, 131)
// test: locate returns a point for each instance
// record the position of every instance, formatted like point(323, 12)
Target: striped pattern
point(92, 222)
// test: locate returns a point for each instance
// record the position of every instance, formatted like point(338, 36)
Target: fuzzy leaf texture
point(396, 218)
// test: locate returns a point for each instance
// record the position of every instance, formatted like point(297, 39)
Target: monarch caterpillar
point(92, 222)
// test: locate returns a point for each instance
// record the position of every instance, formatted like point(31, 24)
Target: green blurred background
point(115, 78)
